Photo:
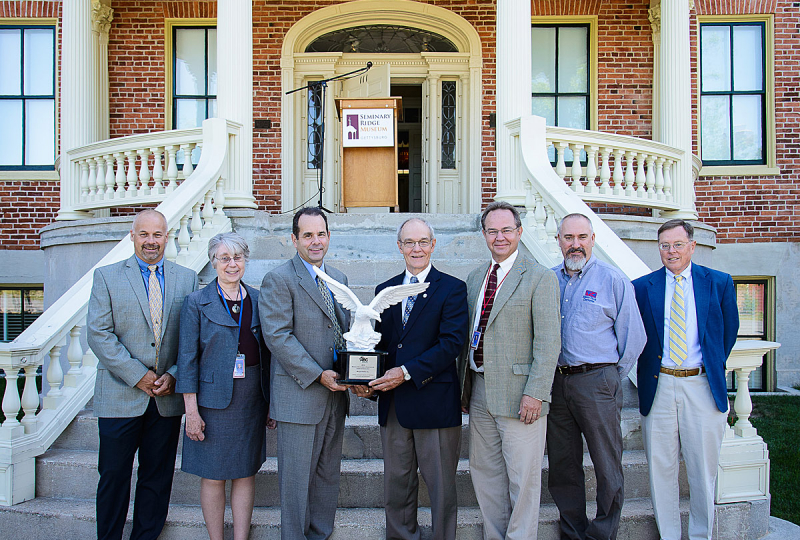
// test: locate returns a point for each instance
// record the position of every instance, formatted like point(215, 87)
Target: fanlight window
point(381, 38)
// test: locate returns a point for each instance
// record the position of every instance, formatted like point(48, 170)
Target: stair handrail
point(194, 212)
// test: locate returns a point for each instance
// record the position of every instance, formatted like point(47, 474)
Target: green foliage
point(777, 419)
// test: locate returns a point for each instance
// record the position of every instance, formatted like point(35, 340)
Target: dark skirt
point(235, 437)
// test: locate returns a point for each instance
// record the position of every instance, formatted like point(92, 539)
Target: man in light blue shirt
point(602, 335)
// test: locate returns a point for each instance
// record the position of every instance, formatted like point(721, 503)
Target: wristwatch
point(406, 374)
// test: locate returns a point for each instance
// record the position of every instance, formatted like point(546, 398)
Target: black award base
point(359, 367)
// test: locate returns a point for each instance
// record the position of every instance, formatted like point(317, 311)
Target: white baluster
point(133, 178)
point(591, 169)
point(55, 376)
point(120, 175)
point(74, 356)
point(208, 216)
point(188, 168)
point(561, 166)
point(650, 178)
point(172, 168)
point(660, 178)
point(183, 240)
point(158, 172)
point(84, 164)
point(144, 171)
point(641, 177)
point(11, 401)
point(743, 405)
point(529, 221)
point(197, 227)
point(30, 399)
point(577, 171)
point(171, 250)
point(89, 359)
point(110, 176)
point(100, 178)
point(551, 230)
point(219, 203)
point(618, 171)
point(668, 180)
point(630, 176)
point(541, 218)
point(92, 182)
point(605, 171)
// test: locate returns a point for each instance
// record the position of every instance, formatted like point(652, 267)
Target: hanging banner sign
point(367, 127)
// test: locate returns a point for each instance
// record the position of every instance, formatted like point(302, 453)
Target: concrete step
point(71, 473)
point(73, 519)
point(362, 437)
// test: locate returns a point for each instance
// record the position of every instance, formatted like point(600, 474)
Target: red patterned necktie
point(488, 302)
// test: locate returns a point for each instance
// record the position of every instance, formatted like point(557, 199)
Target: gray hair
point(574, 215)
point(400, 228)
point(233, 242)
point(500, 205)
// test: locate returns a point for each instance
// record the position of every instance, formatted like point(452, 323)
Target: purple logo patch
point(590, 296)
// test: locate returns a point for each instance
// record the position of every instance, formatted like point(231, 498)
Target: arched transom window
point(381, 38)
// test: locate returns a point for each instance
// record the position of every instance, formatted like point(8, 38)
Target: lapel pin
point(425, 295)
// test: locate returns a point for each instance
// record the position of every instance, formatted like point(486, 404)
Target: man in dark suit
point(302, 325)
point(419, 403)
point(132, 325)
point(691, 319)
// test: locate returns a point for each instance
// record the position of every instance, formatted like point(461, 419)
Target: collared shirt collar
point(143, 265)
point(563, 267)
point(310, 268)
point(506, 265)
point(421, 277)
point(687, 273)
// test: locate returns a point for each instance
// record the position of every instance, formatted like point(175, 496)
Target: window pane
point(543, 60)
point(747, 58)
point(40, 128)
point(747, 127)
point(715, 128)
point(212, 108)
point(11, 134)
point(573, 64)
point(572, 112)
point(448, 124)
point(38, 62)
point(716, 58)
point(750, 300)
point(190, 62)
point(545, 106)
point(212, 62)
point(190, 113)
point(10, 58)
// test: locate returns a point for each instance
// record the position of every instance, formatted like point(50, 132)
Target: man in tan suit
point(507, 373)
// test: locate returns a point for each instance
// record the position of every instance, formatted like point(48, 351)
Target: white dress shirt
point(502, 272)
point(421, 277)
point(694, 358)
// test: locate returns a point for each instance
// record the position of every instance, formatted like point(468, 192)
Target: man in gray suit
point(132, 324)
point(302, 326)
point(507, 372)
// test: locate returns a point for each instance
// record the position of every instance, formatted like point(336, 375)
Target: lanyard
point(241, 309)
point(486, 284)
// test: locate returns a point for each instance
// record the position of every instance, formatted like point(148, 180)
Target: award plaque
point(359, 367)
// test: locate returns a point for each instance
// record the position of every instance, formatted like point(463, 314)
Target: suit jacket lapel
point(474, 284)
point(422, 299)
point(310, 285)
point(169, 292)
point(701, 286)
point(214, 309)
point(134, 275)
point(510, 283)
point(655, 294)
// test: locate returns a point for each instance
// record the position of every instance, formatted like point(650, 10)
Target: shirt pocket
point(586, 316)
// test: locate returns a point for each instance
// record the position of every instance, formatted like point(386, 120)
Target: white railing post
point(55, 377)
point(30, 399)
point(74, 356)
point(11, 400)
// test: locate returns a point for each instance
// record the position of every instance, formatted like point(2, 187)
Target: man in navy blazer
point(419, 403)
point(691, 319)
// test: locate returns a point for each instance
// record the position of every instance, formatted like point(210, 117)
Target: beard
point(572, 264)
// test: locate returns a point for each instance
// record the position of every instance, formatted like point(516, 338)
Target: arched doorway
point(434, 60)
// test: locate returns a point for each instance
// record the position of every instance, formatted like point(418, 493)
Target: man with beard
point(601, 337)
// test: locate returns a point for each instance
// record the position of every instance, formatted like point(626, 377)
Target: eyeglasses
point(423, 244)
point(677, 245)
point(507, 231)
point(226, 260)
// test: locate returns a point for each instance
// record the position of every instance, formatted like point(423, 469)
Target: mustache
point(576, 250)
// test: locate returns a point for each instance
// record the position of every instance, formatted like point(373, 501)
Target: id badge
point(476, 337)
point(238, 367)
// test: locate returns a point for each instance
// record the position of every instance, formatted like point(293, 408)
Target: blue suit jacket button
point(399, 345)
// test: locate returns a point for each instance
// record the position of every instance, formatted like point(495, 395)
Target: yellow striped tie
point(678, 349)
point(156, 308)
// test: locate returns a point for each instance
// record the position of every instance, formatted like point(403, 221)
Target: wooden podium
point(368, 152)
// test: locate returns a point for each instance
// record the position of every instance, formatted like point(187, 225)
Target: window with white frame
point(194, 82)
point(732, 93)
point(27, 97)
point(19, 307)
point(755, 301)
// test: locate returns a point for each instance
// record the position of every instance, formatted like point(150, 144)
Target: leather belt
point(682, 372)
point(583, 368)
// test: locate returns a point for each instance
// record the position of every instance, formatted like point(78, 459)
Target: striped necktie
point(337, 330)
point(156, 302)
point(409, 302)
point(486, 310)
point(678, 349)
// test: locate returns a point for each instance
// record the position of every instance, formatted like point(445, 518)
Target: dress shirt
point(421, 277)
point(505, 267)
point(310, 268)
point(600, 320)
point(694, 358)
point(146, 274)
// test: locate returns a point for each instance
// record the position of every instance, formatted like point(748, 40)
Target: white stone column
point(513, 33)
point(675, 100)
point(235, 92)
point(102, 16)
point(434, 142)
point(78, 105)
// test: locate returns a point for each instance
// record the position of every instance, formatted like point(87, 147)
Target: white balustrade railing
point(195, 212)
point(135, 170)
point(615, 169)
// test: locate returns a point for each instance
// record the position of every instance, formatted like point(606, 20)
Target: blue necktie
point(409, 303)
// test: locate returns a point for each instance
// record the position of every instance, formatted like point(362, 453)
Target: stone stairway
point(364, 247)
